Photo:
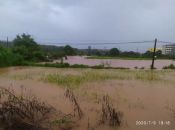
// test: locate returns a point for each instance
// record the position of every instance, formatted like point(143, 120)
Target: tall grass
point(75, 80)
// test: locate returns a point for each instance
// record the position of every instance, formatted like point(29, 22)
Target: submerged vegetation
point(67, 65)
point(19, 112)
point(75, 80)
point(85, 104)
point(26, 112)
point(109, 114)
point(171, 66)
point(66, 78)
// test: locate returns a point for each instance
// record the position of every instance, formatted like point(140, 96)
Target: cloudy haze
point(89, 21)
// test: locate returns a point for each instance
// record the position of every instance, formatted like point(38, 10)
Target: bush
point(22, 112)
point(57, 65)
point(98, 67)
point(79, 66)
point(8, 58)
point(114, 52)
point(26, 46)
point(171, 66)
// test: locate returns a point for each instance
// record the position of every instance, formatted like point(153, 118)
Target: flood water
point(138, 100)
point(159, 64)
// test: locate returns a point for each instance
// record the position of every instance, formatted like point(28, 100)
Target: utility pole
point(7, 41)
point(154, 52)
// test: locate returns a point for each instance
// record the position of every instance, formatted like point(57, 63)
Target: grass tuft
point(92, 75)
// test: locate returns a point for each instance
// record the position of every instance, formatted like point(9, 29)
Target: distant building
point(89, 50)
point(168, 49)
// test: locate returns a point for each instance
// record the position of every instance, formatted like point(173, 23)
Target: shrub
point(171, 66)
point(142, 68)
point(79, 66)
point(26, 46)
point(21, 112)
point(98, 67)
point(57, 65)
point(109, 114)
point(8, 58)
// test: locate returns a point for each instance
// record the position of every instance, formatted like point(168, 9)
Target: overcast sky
point(86, 21)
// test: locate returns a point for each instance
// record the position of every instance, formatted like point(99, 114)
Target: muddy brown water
point(138, 100)
point(159, 64)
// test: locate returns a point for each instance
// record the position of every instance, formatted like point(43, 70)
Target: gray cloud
point(75, 21)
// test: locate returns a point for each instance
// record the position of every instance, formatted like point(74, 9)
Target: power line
point(114, 43)
point(166, 42)
point(110, 43)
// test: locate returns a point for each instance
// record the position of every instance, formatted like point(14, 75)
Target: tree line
point(25, 49)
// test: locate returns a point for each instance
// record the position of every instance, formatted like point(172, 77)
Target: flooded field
point(159, 64)
point(140, 95)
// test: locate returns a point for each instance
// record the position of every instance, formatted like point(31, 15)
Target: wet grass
point(88, 76)
point(74, 78)
point(3, 70)
point(22, 112)
point(22, 76)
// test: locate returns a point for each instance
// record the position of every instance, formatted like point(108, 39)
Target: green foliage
point(69, 50)
point(57, 65)
point(55, 52)
point(7, 58)
point(25, 46)
point(94, 75)
point(159, 53)
point(74, 81)
point(57, 55)
point(65, 121)
point(79, 66)
point(114, 52)
point(130, 54)
point(98, 67)
point(171, 66)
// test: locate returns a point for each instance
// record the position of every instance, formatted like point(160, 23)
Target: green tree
point(148, 54)
point(159, 53)
point(26, 46)
point(114, 52)
point(69, 50)
point(7, 58)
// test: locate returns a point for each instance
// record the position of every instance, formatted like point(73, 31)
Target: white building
point(168, 49)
